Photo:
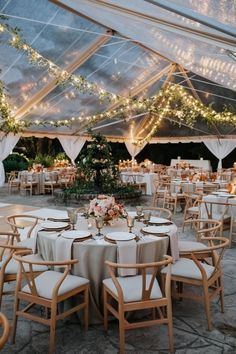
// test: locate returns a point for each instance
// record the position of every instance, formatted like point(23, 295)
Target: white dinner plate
point(53, 225)
point(223, 190)
point(120, 236)
point(156, 229)
point(75, 234)
point(225, 195)
point(156, 220)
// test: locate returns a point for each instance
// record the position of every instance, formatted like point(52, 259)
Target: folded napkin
point(174, 248)
point(63, 248)
point(127, 255)
point(32, 241)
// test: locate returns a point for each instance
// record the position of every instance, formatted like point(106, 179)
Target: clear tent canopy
point(127, 48)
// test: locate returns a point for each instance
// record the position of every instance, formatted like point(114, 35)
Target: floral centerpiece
point(105, 206)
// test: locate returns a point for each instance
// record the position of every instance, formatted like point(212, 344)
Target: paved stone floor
point(190, 333)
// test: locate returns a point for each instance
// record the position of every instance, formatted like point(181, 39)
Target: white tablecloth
point(92, 254)
point(147, 178)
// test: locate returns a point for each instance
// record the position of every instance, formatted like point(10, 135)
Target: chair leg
point(86, 315)
point(207, 306)
point(15, 318)
point(121, 331)
point(1, 290)
point(52, 329)
point(170, 327)
point(220, 283)
point(105, 312)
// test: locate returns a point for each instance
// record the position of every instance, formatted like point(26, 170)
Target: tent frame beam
point(218, 40)
point(204, 20)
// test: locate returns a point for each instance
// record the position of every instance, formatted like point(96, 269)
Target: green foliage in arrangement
point(44, 160)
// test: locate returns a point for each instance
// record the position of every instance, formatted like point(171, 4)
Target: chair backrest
point(215, 251)
point(143, 269)
point(7, 251)
point(26, 272)
point(21, 221)
point(7, 239)
point(205, 228)
point(159, 212)
point(210, 206)
point(5, 330)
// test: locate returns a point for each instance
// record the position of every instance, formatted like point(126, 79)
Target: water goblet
point(99, 225)
point(73, 215)
point(146, 217)
point(130, 222)
point(139, 211)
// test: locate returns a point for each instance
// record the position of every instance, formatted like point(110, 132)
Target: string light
point(171, 101)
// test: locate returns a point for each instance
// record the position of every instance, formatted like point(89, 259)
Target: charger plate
point(113, 239)
point(79, 235)
point(51, 225)
point(156, 230)
point(159, 221)
point(67, 220)
point(120, 236)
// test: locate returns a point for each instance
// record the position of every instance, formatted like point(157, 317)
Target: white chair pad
point(186, 268)
point(190, 245)
point(12, 266)
point(46, 281)
point(193, 209)
point(132, 287)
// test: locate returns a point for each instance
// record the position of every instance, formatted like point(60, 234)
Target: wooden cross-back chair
point(203, 228)
point(21, 221)
point(212, 209)
point(191, 270)
point(138, 292)
point(8, 267)
point(5, 330)
point(159, 212)
point(48, 290)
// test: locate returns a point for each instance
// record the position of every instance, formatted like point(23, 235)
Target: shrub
point(16, 162)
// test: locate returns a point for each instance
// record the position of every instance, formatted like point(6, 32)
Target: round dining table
point(92, 254)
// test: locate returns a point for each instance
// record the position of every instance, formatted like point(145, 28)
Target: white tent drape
point(7, 144)
point(221, 148)
point(133, 150)
point(72, 146)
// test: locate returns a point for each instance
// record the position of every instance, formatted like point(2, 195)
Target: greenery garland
point(173, 101)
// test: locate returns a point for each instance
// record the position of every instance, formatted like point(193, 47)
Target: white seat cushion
point(190, 245)
point(186, 268)
point(193, 209)
point(12, 266)
point(132, 287)
point(46, 281)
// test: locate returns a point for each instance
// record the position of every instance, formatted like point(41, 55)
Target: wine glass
point(99, 225)
point(146, 216)
point(130, 222)
point(139, 211)
point(73, 215)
